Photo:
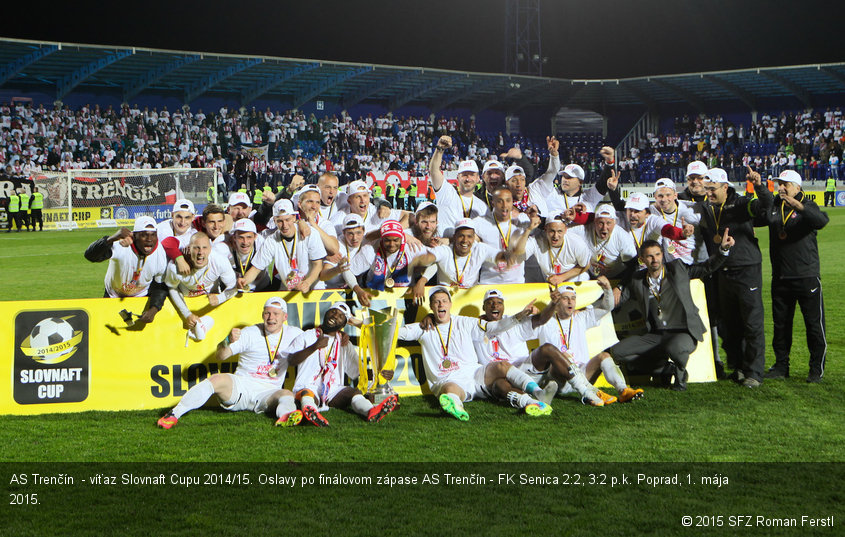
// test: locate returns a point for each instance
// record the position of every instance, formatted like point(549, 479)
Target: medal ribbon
point(505, 240)
point(329, 365)
point(459, 274)
point(553, 260)
point(272, 356)
point(466, 211)
point(248, 258)
point(445, 346)
point(292, 254)
point(564, 338)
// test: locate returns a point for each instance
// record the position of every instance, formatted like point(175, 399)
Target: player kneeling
point(326, 355)
point(256, 385)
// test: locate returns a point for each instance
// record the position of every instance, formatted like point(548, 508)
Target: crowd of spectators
point(809, 142)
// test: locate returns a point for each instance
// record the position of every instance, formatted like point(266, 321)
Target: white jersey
point(462, 271)
point(509, 346)
point(448, 349)
point(216, 276)
point(360, 260)
point(130, 274)
point(558, 260)
point(256, 353)
point(241, 263)
point(165, 229)
point(556, 202)
point(608, 257)
point(323, 371)
point(501, 235)
point(568, 335)
point(452, 206)
point(372, 221)
point(291, 255)
point(672, 249)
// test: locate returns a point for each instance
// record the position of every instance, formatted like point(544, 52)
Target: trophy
point(379, 335)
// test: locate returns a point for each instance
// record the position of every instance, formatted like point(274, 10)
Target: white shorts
point(249, 394)
point(471, 382)
point(528, 368)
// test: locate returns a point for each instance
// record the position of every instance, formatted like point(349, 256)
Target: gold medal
point(717, 238)
point(671, 248)
point(782, 235)
point(446, 364)
point(389, 283)
point(272, 372)
point(291, 275)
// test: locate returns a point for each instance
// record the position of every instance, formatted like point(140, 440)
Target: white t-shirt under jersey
point(557, 260)
point(608, 257)
point(449, 266)
point(452, 207)
point(204, 280)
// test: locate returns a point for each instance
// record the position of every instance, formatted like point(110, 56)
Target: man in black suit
point(662, 294)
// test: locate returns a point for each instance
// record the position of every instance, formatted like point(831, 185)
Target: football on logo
point(52, 340)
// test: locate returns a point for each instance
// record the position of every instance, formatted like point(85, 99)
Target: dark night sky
point(581, 38)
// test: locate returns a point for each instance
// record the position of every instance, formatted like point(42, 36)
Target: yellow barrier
point(77, 355)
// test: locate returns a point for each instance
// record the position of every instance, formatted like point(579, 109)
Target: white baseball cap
point(239, 197)
point(439, 289)
point(184, 205)
point(244, 225)
point(664, 183)
point(464, 223)
point(573, 170)
point(467, 166)
point(513, 170)
point(716, 175)
point(423, 205)
point(696, 167)
point(283, 207)
point(303, 190)
point(342, 306)
point(276, 302)
point(790, 176)
point(353, 221)
point(605, 211)
point(493, 293)
point(567, 289)
point(492, 165)
point(357, 187)
point(637, 202)
point(144, 223)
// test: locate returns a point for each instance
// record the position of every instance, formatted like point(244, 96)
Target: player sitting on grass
point(566, 331)
point(451, 366)
point(325, 355)
point(510, 346)
point(256, 384)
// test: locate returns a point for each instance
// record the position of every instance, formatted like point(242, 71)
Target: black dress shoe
point(681, 377)
point(737, 376)
point(814, 378)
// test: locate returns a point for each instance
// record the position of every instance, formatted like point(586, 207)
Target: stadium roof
point(63, 68)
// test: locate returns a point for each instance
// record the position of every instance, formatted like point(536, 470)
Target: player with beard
point(493, 176)
point(395, 260)
point(297, 258)
point(354, 260)
point(502, 230)
point(696, 170)
point(179, 225)
point(257, 383)
point(454, 204)
point(458, 265)
point(426, 227)
point(452, 369)
point(211, 275)
point(136, 269)
point(325, 355)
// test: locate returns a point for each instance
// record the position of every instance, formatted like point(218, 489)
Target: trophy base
point(379, 395)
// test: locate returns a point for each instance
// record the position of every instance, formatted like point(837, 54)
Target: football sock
point(520, 400)
point(307, 400)
point(194, 398)
point(613, 374)
point(360, 404)
point(286, 405)
point(579, 382)
point(521, 380)
point(456, 399)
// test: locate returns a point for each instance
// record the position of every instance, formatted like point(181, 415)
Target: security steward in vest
point(37, 204)
point(830, 192)
point(14, 211)
point(25, 208)
point(794, 221)
point(740, 280)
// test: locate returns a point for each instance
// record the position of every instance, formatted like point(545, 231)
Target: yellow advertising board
point(77, 355)
point(83, 217)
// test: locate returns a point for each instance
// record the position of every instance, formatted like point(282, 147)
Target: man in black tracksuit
point(793, 222)
point(740, 280)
